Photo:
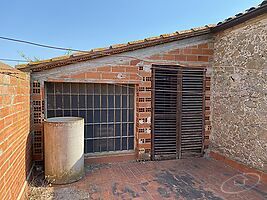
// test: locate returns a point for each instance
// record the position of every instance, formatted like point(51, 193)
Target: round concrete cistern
point(64, 149)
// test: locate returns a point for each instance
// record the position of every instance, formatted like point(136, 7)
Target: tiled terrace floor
point(197, 178)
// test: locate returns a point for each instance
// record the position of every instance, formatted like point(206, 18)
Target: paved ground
point(190, 179)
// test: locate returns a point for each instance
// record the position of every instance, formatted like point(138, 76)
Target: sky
point(87, 24)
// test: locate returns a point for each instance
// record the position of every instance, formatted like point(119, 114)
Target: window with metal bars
point(108, 111)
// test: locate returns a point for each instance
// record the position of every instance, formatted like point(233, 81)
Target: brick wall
point(199, 55)
point(196, 52)
point(104, 74)
point(15, 145)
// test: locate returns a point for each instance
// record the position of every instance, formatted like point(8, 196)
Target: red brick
point(109, 76)
point(176, 52)
point(24, 84)
point(8, 120)
point(203, 58)
point(144, 136)
point(79, 76)
point(3, 89)
point(118, 69)
point(191, 58)
point(11, 90)
point(13, 81)
point(133, 77)
point(7, 99)
point(145, 145)
point(1, 125)
point(104, 69)
point(180, 58)
point(203, 46)
point(14, 129)
point(93, 75)
point(66, 76)
point(3, 168)
point(187, 51)
point(196, 51)
point(132, 69)
point(4, 112)
point(168, 57)
point(5, 156)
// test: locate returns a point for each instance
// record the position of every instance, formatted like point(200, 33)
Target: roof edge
point(115, 49)
point(240, 18)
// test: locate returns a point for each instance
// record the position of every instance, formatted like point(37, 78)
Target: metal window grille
point(108, 111)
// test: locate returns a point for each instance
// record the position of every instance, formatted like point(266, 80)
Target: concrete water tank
point(64, 149)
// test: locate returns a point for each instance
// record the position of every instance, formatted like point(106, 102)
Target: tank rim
point(63, 119)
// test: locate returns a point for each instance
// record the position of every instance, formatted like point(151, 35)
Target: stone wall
point(239, 93)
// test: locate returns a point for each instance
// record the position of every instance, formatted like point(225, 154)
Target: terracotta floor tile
point(197, 178)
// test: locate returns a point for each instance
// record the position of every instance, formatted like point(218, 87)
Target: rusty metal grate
point(107, 109)
point(178, 111)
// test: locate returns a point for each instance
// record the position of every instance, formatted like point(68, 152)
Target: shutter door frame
point(179, 107)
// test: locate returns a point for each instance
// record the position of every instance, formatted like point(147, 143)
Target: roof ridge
point(251, 9)
point(122, 45)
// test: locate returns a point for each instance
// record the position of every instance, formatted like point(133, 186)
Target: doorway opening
point(178, 105)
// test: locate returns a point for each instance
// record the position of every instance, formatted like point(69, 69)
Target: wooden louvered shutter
point(192, 112)
point(177, 112)
point(165, 96)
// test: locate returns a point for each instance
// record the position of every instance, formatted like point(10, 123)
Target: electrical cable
point(82, 51)
point(106, 54)
point(41, 45)
point(13, 60)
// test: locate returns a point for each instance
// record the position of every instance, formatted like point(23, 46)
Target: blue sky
point(85, 24)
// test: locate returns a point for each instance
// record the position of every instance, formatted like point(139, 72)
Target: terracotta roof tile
point(113, 49)
point(262, 5)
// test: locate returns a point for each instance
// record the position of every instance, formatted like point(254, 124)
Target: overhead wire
point(107, 54)
point(76, 50)
point(13, 60)
point(41, 45)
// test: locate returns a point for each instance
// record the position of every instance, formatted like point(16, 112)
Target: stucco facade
point(239, 93)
